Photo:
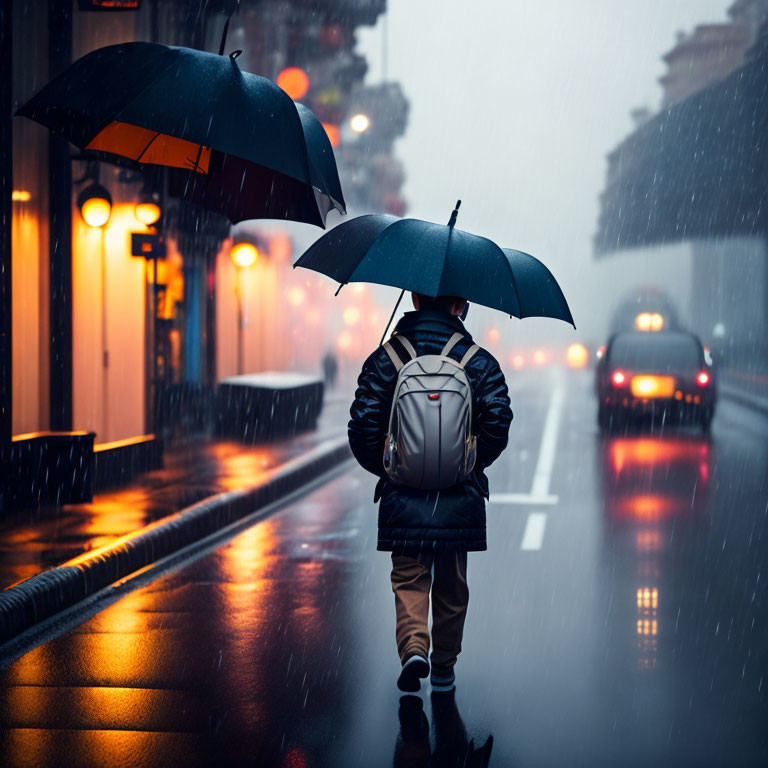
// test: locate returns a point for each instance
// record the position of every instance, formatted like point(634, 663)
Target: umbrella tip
point(455, 213)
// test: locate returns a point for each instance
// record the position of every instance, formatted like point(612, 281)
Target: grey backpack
point(430, 444)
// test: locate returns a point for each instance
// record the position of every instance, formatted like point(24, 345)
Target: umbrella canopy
point(437, 260)
point(240, 145)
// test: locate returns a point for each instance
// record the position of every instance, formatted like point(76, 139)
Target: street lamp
point(95, 204)
point(148, 210)
point(360, 123)
point(243, 255)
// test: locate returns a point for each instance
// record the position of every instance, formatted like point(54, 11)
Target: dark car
point(663, 375)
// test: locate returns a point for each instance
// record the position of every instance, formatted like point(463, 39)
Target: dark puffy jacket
point(412, 520)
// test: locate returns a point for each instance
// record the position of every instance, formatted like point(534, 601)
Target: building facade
point(111, 343)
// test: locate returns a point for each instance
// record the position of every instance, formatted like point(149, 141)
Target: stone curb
point(41, 596)
point(731, 392)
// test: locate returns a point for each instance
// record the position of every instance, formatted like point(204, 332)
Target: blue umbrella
point(437, 260)
point(236, 143)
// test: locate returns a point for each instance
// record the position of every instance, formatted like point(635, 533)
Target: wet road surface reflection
point(635, 635)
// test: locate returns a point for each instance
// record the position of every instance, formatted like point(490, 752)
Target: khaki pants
point(412, 578)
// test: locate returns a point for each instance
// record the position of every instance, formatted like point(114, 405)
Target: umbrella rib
point(514, 282)
point(149, 144)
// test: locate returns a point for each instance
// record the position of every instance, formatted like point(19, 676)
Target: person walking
point(431, 413)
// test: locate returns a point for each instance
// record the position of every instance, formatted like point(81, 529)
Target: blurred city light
point(577, 356)
point(294, 81)
point(344, 341)
point(360, 123)
point(351, 315)
point(649, 321)
point(296, 296)
point(333, 132)
point(493, 335)
point(21, 196)
point(95, 204)
point(244, 255)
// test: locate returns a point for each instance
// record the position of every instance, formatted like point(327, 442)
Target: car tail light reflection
point(619, 378)
point(703, 379)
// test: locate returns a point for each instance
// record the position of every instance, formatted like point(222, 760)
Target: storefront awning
point(697, 170)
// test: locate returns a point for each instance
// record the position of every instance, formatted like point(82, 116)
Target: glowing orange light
point(649, 321)
point(334, 134)
point(148, 213)
point(95, 205)
point(577, 356)
point(21, 196)
point(653, 386)
point(647, 452)
point(294, 81)
point(541, 356)
point(244, 255)
point(647, 507)
point(518, 362)
point(493, 335)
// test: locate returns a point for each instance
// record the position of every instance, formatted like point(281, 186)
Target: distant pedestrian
point(330, 369)
point(431, 413)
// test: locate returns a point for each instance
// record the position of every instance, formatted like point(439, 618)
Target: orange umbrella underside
point(146, 146)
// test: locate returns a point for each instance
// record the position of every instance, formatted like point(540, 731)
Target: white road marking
point(546, 462)
point(534, 531)
point(521, 498)
point(542, 475)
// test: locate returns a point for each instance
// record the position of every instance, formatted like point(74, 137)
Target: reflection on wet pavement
point(33, 540)
point(634, 636)
point(453, 747)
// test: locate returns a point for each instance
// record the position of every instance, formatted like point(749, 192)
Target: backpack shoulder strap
point(451, 343)
point(409, 348)
point(393, 356)
point(400, 341)
point(468, 355)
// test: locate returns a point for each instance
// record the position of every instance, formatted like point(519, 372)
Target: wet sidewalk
point(33, 540)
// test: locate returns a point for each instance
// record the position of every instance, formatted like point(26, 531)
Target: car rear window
point(657, 352)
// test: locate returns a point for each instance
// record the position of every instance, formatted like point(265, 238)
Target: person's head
point(453, 305)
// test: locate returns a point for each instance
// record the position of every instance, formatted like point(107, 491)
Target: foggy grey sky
point(514, 105)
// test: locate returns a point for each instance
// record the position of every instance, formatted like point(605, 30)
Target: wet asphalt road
point(618, 618)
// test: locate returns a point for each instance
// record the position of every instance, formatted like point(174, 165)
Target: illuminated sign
point(148, 246)
point(108, 5)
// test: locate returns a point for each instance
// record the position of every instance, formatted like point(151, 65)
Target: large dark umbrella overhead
point(698, 169)
point(240, 145)
point(437, 260)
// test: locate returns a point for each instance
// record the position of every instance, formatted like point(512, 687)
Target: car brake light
point(703, 378)
point(619, 378)
point(600, 352)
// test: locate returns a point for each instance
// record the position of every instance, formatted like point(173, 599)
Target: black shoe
point(414, 668)
point(443, 679)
